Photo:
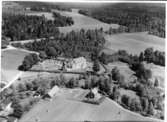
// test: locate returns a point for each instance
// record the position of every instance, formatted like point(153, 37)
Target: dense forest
point(22, 27)
point(42, 6)
point(74, 44)
point(134, 16)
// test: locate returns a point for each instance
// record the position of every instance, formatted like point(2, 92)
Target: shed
point(52, 92)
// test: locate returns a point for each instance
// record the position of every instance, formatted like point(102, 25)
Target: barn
point(52, 92)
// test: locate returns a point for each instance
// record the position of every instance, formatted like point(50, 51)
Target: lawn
point(63, 109)
point(134, 42)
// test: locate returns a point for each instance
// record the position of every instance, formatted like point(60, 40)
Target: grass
point(10, 60)
point(157, 72)
point(129, 93)
point(48, 15)
point(85, 22)
point(134, 43)
point(124, 70)
point(71, 110)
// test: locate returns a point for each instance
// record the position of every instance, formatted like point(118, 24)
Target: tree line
point(22, 27)
point(135, 17)
point(148, 55)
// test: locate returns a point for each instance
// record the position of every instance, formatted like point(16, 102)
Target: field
point(46, 14)
point(134, 42)
point(66, 109)
point(10, 60)
point(81, 21)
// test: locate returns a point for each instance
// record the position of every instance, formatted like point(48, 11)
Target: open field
point(12, 7)
point(157, 72)
point(72, 110)
point(85, 22)
point(48, 15)
point(134, 42)
point(124, 70)
point(10, 60)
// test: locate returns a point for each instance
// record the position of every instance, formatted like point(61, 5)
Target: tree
point(141, 57)
point(141, 90)
point(144, 103)
point(103, 58)
point(42, 55)
point(115, 94)
point(154, 101)
point(51, 51)
point(70, 83)
point(132, 105)
point(34, 85)
point(125, 100)
point(151, 109)
point(21, 87)
point(96, 66)
point(62, 79)
point(156, 83)
point(121, 81)
point(148, 53)
point(18, 110)
point(29, 86)
point(28, 62)
point(142, 72)
point(115, 74)
point(52, 84)
point(107, 87)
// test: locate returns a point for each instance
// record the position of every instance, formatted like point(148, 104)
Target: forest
point(136, 17)
point(73, 44)
point(23, 27)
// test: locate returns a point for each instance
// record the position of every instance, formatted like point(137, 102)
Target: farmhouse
point(52, 92)
point(75, 64)
point(94, 97)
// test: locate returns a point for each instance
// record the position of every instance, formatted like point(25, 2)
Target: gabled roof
point(53, 91)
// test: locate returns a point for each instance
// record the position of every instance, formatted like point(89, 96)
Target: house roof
point(54, 90)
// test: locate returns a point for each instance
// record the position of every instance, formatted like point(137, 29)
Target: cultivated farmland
point(140, 40)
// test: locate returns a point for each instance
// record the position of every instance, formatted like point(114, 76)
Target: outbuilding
point(52, 92)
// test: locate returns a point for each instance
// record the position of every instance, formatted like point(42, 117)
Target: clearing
point(10, 60)
point(48, 15)
point(85, 22)
point(124, 70)
point(134, 43)
point(157, 72)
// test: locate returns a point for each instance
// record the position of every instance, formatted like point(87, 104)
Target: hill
point(85, 22)
point(134, 43)
point(67, 109)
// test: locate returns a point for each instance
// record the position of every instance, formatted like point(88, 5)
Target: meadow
point(134, 43)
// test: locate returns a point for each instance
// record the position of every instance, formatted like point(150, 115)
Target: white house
point(95, 92)
point(76, 64)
